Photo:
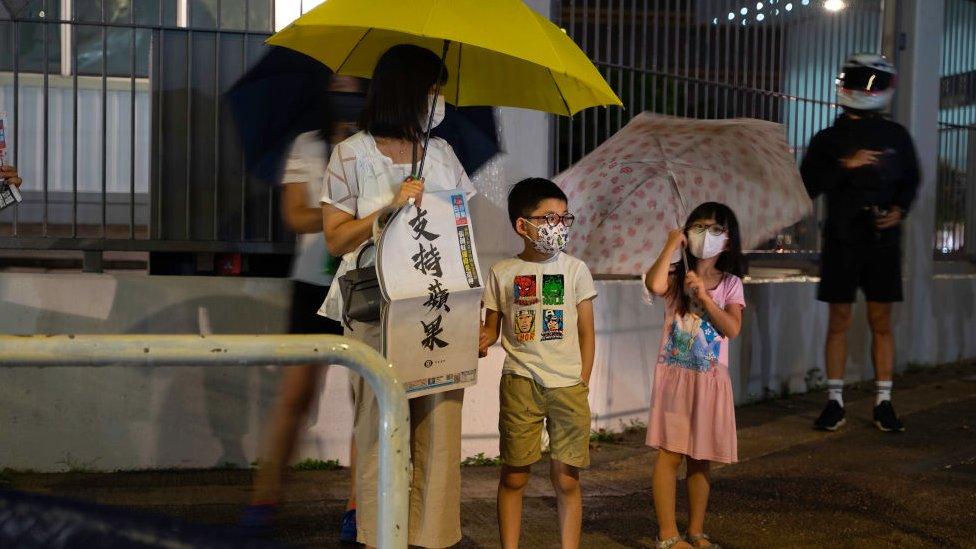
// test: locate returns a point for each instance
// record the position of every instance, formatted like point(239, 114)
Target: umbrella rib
point(358, 42)
point(457, 76)
point(561, 96)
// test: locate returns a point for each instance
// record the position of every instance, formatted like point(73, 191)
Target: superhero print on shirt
point(525, 324)
point(552, 324)
point(553, 289)
point(526, 290)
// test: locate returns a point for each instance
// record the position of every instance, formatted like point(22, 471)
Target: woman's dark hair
point(730, 261)
point(526, 195)
point(398, 93)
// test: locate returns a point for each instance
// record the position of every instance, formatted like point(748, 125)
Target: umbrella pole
point(430, 113)
point(681, 200)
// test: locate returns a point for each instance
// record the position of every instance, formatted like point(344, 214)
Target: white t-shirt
point(306, 164)
point(361, 180)
point(539, 321)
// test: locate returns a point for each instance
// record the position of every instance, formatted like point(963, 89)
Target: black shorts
point(306, 299)
point(845, 267)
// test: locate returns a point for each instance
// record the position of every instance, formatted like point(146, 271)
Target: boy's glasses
point(553, 219)
point(714, 229)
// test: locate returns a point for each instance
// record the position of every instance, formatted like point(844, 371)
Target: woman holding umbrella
point(368, 172)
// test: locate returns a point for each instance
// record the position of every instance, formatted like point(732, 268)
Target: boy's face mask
point(551, 240)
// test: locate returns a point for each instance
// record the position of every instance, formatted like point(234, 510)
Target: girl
point(692, 415)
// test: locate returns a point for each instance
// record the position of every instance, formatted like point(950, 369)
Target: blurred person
point(9, 175)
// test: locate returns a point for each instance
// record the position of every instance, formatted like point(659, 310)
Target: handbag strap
point(362, 250)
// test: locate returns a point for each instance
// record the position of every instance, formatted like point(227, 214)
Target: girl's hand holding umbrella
point(695, 287)
point(411, 192)
point(677, 239)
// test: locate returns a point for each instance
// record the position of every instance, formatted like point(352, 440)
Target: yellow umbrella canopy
point(500, 52)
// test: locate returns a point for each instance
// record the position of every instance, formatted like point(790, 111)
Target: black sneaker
point(885, 418)
point(831, 418)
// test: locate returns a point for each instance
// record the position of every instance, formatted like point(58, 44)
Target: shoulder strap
point(362, 250)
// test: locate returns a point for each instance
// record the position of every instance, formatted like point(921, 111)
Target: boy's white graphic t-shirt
point(539, 325)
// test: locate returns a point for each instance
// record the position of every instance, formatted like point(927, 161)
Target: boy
point(542, 302)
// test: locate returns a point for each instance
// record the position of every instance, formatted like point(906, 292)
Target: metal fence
point(115, 121)
point(774, 60)
point(956, 194)
point(250, 350)
point(116, 124)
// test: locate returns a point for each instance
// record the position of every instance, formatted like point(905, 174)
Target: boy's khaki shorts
point(524, 406)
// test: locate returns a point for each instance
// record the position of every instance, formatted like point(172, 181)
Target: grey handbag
point(360, 289)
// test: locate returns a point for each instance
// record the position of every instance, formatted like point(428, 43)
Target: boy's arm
point(489, 331)
point(587, 337)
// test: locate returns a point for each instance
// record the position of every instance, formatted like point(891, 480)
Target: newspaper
point(430, 278)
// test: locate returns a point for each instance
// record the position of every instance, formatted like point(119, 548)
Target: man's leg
point(835, 351)
point(838, 324)
point(882, 342)
point(883, 356)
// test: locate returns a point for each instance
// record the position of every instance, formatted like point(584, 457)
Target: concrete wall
point(133, 417)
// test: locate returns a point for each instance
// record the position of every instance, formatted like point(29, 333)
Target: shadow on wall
point(129, 416)
point(231, 398)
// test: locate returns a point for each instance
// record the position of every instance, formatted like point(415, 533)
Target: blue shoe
point(347, 532)
point(256, 519)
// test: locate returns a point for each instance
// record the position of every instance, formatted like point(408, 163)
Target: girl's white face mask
point(704, 244)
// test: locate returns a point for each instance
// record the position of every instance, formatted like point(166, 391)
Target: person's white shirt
point(306, 164)
point(361, 180)
point(539, 329)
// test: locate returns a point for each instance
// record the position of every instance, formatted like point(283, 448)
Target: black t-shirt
point(893, 181)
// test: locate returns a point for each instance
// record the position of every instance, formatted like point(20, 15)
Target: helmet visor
point(865, 79)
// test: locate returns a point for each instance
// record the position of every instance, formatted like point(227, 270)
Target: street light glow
point(834, 5)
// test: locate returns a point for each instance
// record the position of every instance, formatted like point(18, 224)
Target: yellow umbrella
point(500, 52)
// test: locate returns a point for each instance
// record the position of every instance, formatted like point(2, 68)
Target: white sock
point(835, 390)
point(883, 391)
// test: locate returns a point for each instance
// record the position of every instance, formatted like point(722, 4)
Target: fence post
point(250, 350)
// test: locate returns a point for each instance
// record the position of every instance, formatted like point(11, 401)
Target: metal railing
point(955, 217)
point(116, 123)
point(773, 60)
point(249, 350)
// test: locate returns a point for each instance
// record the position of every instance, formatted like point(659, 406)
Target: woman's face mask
point(706, 241)
point(438, 112)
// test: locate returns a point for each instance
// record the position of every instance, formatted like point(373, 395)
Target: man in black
point(867, 167)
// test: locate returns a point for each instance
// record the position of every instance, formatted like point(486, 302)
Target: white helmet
point(866, 82)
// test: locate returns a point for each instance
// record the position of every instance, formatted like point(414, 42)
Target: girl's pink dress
point(692, 410)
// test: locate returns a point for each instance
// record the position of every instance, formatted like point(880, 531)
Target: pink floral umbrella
point(642, 182)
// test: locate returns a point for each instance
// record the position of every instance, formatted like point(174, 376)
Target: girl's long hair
point(731, 261)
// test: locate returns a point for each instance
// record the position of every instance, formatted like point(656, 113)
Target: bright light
point(760, 17)
point(759, 5)
point(789, 7)
point(744, 11)
point(744, 22)
point(834, 5)
point(731, 16)
point(805, 2)
point(287, 11)
point(715, 21)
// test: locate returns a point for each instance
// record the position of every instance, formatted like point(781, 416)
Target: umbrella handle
point(430, 113)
